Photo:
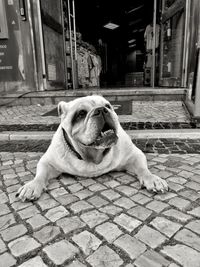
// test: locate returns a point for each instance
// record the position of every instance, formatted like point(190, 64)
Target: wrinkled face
point(91, 125)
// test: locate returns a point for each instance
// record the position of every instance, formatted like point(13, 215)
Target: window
point(3, 21)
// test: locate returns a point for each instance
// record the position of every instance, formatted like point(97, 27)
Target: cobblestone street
point(107, 221)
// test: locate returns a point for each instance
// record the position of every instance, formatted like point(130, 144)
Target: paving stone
point(13, 188)
point(173, 265)
point(126, 190)
point(21, 205)
point(188, 238)
point(56, 213)
point(37, 221)
point(174, 187)
point(7, 260)
point(87, 242)
point(76, 263)
point(97, 187)
point(46, 234)
point(4, 209)
point(11, 182)
point(166, 196)
point(111, 210)
point(157, 206)
point(124, 202)
point(57, 192)
point(177, 179)
point(67, 179)
point(190, 194)
point(194, 226)
point(179, 203)
point(60, 251)
point(109, 231)
point(195, 212)
point(75, 188)
point(140, 198)
point(12, 197)
point(47, 203)
point(127, 222)
point(13, 232)
point(130, 245)
point(193, 185)
point(182, 254)
point(28, 212)
point(185, 174)
point(150, 237)
point(151, 259)
point(67, 199)
point(93, 218)
point(3, 198)
point(125, 178)
point(9, 176)
point(70, 224)
point(104, 256)
point(110, 194)
point(84, 194)
point(195, 178)
point(80, 206)
point(111, 184)
point(140, 212)
point(165, 226)
point(6, 221)
point(97, 201)
point(36, 261)
point(2, 246)
point(87, 182)
point(178, 215)
point(23, 245)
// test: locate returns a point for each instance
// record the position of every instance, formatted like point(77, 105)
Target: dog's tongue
point(106, 140)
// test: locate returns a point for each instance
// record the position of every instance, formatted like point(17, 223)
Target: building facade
point(31, 46)
point(74, 44)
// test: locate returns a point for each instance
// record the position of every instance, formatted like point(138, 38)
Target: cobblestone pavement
point(146, 111)
point(106, 222)
point(156, 145)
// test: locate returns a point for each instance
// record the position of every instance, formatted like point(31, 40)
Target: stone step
point(134, 134)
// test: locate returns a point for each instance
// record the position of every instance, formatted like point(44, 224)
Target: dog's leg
point(33, 189)
point(138, 165)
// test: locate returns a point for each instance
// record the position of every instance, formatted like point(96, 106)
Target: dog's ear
point(62, 108)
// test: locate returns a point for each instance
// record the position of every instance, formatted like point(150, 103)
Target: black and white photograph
point(99, 133)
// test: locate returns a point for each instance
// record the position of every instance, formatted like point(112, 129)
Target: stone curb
point(134, 134)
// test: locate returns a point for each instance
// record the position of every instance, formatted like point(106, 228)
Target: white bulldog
point(89, 142)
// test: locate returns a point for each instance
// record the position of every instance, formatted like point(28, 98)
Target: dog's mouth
point(106, 138)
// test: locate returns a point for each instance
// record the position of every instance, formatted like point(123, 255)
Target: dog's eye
point(82, 113)
point(79, 115)
point(108, 106)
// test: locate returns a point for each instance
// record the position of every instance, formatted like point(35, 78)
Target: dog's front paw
point(154, 183)
point(30, 191)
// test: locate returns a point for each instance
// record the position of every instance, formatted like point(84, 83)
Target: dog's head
point(91, 125)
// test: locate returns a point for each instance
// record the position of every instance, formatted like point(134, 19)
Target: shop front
point(31, 46)
point(128, 43)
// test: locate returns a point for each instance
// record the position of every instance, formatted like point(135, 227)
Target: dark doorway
point(122, 49)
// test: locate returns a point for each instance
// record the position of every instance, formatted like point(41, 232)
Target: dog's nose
point(100, 111)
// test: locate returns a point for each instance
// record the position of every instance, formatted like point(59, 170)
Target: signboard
point(11, 58)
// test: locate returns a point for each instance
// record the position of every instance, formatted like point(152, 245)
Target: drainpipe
point(41, 37)
point(33, 44)
point(154, 44)
point(197, 86)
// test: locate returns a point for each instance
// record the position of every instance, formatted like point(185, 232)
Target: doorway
point(111, 41)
